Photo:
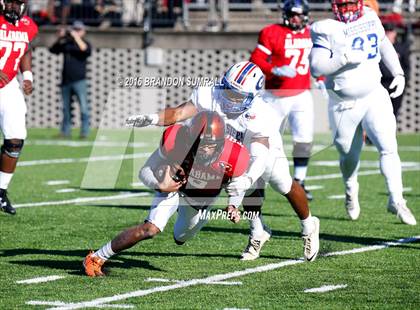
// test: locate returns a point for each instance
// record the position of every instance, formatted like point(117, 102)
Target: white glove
point(141, 120)
point(320, 85)
point(286, 71)
point(353, 57)
point(239, 185)
point(398, 83)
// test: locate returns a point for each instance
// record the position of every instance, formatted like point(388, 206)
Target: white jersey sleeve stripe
point(264, 49)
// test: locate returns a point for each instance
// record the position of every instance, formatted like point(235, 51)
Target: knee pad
point(302, 150)
point(12, 147)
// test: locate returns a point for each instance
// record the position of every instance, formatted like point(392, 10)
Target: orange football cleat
point(93, 265)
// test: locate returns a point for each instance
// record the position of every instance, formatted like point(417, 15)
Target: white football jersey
point(364, 34)
point(259, 121)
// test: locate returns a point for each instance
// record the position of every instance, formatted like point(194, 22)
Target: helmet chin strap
point(11, 17)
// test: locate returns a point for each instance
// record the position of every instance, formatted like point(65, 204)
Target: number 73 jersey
point(284, 46)
point(364, 35)
point(14, 42)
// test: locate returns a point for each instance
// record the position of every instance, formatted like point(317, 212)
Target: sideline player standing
point(16, 32)
point(188, 171)
point(348, 51)
point(252, 121)
point(282, 54)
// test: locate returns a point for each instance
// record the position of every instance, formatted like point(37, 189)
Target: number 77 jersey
point(282, 46)
point(14, 42)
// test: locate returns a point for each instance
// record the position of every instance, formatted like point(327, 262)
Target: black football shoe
point(5, 204)
point(308, 193)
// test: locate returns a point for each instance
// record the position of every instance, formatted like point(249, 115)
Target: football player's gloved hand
point(239, 185)
point(234, 215)
point(142, 120)
point(320, 85)
point(353, 57)
point(284, 71)
point(398, 83)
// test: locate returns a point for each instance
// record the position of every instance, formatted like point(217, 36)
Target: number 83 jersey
point(365, 35)
point(14, 42)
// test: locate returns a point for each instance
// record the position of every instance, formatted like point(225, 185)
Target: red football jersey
point(277, 46)
point(203, 181)
point(14, 42)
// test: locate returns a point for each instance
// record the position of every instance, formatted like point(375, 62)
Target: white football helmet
point(239, 86)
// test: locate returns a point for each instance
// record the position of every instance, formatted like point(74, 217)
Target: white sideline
point(60, 303)
point(226, 276)
point(79, 200)
point(40, 279)
point(66, 190)
point(180, 281)
point(325, 288)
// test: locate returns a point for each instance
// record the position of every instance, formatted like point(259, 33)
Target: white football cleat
point(352, 203)
point(311, 242)
point(402, 212)
point(253, 249)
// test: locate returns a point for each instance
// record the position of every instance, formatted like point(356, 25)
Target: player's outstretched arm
point(392, 62)
point(166, 117)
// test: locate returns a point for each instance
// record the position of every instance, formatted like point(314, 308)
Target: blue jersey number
point(358, 44)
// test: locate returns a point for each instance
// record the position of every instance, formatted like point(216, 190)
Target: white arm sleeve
point(146, 174)
point(259, 155)
point(324, 62)
point(390, 57)
point(236, 200)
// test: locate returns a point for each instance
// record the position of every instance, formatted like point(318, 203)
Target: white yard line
point(85, 143)
point(313, 187)
point(225, 276)
point(40, 279)
point(57, 182)
point(80, 160)
point(180, 281)
point(59, 303)
point(407, 189)
point(66, 190)
point(79, 200)
point(365, 172)
point(325, 288)
point(137, 184)
point(337, 197)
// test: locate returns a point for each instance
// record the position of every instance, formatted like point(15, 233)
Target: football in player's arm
point(188, 171)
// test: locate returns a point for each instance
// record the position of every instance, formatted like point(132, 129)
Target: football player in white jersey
point(252, 121)
point(347, 51)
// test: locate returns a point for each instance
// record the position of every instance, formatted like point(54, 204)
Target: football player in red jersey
point(282, 54)
point(188, 171)
point(16, 33)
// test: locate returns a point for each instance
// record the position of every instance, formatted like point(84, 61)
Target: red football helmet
point(206, 136)
point(347, 11)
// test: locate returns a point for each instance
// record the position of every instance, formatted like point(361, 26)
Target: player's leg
point(13, 126)
point(81, 93)
point(189, 222)
point(164, 205)
point(281, 181)
point(66, 92)
point(380, 125)
point(301, 120)
point(259, 232)
point(345, 120)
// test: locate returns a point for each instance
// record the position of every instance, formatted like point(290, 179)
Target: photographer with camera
point(72, 44)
